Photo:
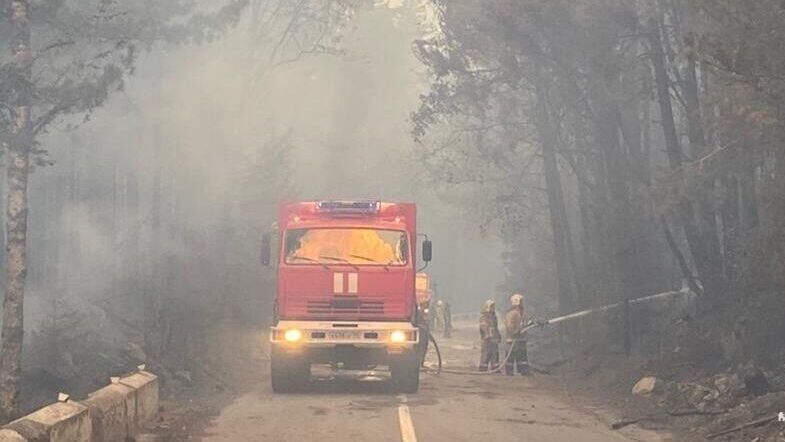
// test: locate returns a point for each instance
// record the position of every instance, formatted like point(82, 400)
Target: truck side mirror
point(266, 254)
point(427, 250)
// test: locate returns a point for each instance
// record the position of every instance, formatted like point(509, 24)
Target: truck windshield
point(350, 246)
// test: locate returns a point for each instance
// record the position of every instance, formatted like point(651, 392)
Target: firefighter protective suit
point(514, 322)
point(489, 337)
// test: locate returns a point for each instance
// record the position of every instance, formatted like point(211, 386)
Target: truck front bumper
point(393, 336)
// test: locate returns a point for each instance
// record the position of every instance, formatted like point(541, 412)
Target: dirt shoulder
point(235, 362)
point(739, 403)
point(587, 388)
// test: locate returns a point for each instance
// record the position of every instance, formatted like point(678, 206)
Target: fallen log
point(678, 413)
point(755, 423)
point(674, 413)
point(621, 424)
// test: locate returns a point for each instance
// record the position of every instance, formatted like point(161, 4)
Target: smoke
point(150, 218)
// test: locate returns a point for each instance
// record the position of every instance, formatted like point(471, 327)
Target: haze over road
point(448, 408)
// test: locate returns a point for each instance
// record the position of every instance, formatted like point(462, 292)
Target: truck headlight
point(398, 337)
point(292, 335)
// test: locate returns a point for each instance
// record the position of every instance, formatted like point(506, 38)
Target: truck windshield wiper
point(305, 258)
point(365, 258)
point(333, 258)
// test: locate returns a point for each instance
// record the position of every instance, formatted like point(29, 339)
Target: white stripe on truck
point(337, 282)
point(352, 282)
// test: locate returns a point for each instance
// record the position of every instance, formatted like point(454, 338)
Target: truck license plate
point(342, 335)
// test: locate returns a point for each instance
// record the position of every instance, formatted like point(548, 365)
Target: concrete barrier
point(145, 386)
point(11, 436)
point(114, 413)
point(59, 422)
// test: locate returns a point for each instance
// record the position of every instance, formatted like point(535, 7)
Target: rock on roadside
point(646, 386)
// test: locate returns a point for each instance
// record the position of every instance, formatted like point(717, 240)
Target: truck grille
point(346, 306)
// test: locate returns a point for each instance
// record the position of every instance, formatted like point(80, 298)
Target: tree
point(19, 145)
point(579, 83)
point(65, 59)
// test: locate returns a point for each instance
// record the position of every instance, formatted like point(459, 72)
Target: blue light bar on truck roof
point(349, 206)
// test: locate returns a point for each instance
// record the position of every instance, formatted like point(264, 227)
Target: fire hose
point(440, 369)
point(556, 320)
point(438, 353)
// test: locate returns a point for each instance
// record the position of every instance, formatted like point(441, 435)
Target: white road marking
point(337, 282)
point(352, 277)
point(405, 418)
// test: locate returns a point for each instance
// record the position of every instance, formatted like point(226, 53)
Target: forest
point(636, 145)
point(582, 152)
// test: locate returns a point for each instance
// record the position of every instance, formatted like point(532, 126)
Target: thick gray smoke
point(146, 227)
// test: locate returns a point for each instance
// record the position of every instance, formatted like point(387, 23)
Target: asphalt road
point(449, 407)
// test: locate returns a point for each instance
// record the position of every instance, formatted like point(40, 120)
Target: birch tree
point(64, 59)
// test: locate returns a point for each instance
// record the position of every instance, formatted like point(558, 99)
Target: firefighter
point(489, 337)
point(515, 338)
point(438, 323)
point(447, 320)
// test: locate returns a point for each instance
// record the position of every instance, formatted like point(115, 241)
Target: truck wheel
point(288, 374)
point(405, 372)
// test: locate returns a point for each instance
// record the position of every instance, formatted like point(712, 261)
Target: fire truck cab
point(346, 290)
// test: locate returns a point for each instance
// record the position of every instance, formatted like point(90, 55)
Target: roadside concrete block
point(112, 412)
point(11, 436)
point(145, 386)
point(646, 386)
point(59, 422)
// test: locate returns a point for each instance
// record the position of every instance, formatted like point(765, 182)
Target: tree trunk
point(16, 213)
point(153, 287)
point(732, 228)
point(558, 211)
point(673, 149)
point(114, 228)
point(73, 199)
point(639, 182)
point(662, 81)
point(685, 268)
point(712, 274)
point(592, 271)
point(591, 264)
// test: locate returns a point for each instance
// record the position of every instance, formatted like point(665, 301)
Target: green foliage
point(83, 51)
point(591, 63)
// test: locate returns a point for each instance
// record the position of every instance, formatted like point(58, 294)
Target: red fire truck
point(346, 290)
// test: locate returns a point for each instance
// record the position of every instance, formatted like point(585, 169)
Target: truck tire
point(405, 373)
point(288, 374)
